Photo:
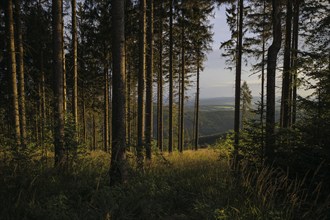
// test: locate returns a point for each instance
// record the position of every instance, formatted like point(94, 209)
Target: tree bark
point(238, 80)
point(84, 113)
point(43, 106)
point(295, 39)
point(12, 66)
point(197, 104)
point(75, 67)
point(106, 108)
point(263, 59)
point(64, 64)
point(141, 84)
point(43, 80)
point(287, 79)
point(118, 173)
point(20, 63)
point(170, 114)
point(271, 76)
point(183, 70)
point(110, 112)
point(149, 81)
point(58, 84)
point(160, 86)
point(94, 132)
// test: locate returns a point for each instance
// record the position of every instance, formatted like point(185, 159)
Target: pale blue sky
point(216, 80)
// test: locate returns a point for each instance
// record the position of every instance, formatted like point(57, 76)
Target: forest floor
point(192, 185)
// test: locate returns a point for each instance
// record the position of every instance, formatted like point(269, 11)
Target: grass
point(192, 185)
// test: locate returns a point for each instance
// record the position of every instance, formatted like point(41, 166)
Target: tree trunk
point(106, 108)
point(110, 112)
point(179, 111)
point(263, 59)
point(141, 84)
point(129, 105)
point(20, 63)
point(271, 77)
point(170, 114)
point(295, 39)
point(58, 84)
point(160, 86)
point(12, 67)
point(287, 79)
point(75, 67)
point(64, 63)
point(118, 173)
point(128, 92)
point(43, 106)
point(149, 81)
point(183, 70)
point(84, 113)
point(43, 80)
point(36, 116)
point(238, 80)
point(94, 132)
point(197, 105)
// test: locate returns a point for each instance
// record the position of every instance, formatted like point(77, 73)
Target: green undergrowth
point(192, 185)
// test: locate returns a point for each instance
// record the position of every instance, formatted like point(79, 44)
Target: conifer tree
point(59, 144)
point(141, 83)
point(12, 67)
point(118, 154)
point(271, 76)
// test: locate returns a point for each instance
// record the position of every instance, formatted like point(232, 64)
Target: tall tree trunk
point(94, 132)
point(36, 116)
point(12, 61)
point(160, 86)
point(110, 111)
point(183, 70)
point(43, 106)
point(149, 81)
point(106, 108)
point(295, 39)
point(141, 83)
point(287, 79)
point(170, 114)
point(118, 155)
point(64, 64)
point(58, 84)
point(271, 76)
point(39, 115)
point(263, 59)
point(129, 104)
point(75, 67)
point(20, 63)
point(197, 104)
point(238, 80)
point(179, 111)
point(84, 113)
point(128, 94)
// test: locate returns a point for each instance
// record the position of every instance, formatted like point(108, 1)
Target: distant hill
point(229, 101)
point(225, 101)
point(216, 118)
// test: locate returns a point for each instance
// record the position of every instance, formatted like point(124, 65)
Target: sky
point(218, 81)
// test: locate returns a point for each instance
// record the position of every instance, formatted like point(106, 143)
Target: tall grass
point(192, 185)
point(275, 189)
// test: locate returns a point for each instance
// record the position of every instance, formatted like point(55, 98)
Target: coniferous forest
point(95, 120)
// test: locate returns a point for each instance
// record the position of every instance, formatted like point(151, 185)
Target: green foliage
point(192, 185)
point(35, 190)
